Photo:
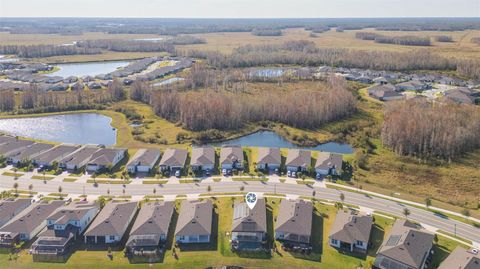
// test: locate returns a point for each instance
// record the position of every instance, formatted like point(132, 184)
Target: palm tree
point(342, 197)
point(15, 186)
point(60, 191)
point(209, 188)
point(154, 191)
point(30, 188)
point(108, 192)
point(15, 170)
point(406, 212)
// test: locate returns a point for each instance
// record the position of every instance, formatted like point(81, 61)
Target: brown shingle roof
point(269, 156)
point(174, 157)
point(407, 244)
point(195, 218)
point(231, 154)
point(295, 217)
point(10, 208)
point(203, 156)
point(250, 220)
point(298, 157)
point(146, 157)
point(461, 259)
point(112, 219)
point(326, 160)
point(153, 218)
point(349, 227)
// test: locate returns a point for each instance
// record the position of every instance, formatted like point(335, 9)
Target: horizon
point(245, 9)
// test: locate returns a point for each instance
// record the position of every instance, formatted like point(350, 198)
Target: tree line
point(35, 51)
point(35, 100)
point(431, 130)
point(305, 53)
point(209, 109)
point(407, 40)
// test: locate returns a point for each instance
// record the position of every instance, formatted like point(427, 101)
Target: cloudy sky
point(240, 8)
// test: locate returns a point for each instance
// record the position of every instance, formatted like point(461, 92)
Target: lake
point(88, 69)
point(272, 139)
point(80, 128)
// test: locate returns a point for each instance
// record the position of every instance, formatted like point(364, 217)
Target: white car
point(294, 174)
point(177, 173)
point(289, 174)
point(224, 172)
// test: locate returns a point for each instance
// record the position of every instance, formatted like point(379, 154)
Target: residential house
point(384, 92)
point(294, 222)
point(249, 226)
point(111, 223)
point(380, 80)
point(269, 159)
point(407, 247)
point(143, 161)
point(461, 95)
point(10, 208)
point(413, 85)
point(28, 224)
point(78, 159)
point(150, 229)
point(203, 159)
point(194, 224)
point(329, 163)
point(173, 160)
point(298, 160)
point(27, 154)
point(54, 155)
point(231, 157)
point(14, 145)
point(63, 227)
point(461, 258)
point(105, 158)
point(351, 232)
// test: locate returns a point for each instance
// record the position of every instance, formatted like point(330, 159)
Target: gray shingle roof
point(195, 218)
point(174, 157)
point(14, 145)
point(153, 218)
point(31, 151)
point(407, 244)
point(10, 208)
point(55, 154)
point(298, 157)
point(327, 160)
point(32, 217)
point(203, 156)
point(79, 156)
point(269, 156)
point(146, 157)
point(105, 156)
point(349, 227)
point(112, 219)
point(73, 211)
point(231, 154)
point(295, 217)
point(249, 220)
point(461, 259)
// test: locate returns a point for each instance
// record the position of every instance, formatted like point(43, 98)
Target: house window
point(334, 242)
point(181, 238)
point(359, 243)
point(112, 237)
point(281, 236)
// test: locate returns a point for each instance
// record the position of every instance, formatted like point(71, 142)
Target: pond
point(272, 139)
point(88, 69)
point(79, 128)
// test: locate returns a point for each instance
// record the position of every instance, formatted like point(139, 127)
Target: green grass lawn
point(218, 254)
point(70, 179)
point(113, 181)
point(161, 182)
point(12, 174)
point(249, 178)
point(43, 177)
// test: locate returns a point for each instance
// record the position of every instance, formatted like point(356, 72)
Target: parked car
point(224, 172)
point(277, 172)
point(319, 176)
point(207, 172)
point(177, 173)
point(294, 174)
point(289, 174)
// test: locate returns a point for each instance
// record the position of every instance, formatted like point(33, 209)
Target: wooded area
point(209, 109)
point(431, 130)
point(35, 51)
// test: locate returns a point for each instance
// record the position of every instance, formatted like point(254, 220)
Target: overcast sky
point(240, 8)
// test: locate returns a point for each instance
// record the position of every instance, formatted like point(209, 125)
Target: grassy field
point(461, 47)
point(218, 253)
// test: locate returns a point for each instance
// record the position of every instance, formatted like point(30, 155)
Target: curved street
point(170, 190)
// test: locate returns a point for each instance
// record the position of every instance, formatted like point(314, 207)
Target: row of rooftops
point(18, 150)
point(407, 243)
point(230, 154)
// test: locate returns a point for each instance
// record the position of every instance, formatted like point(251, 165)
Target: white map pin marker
point(251, 199)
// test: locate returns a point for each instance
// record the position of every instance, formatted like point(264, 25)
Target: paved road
point(375, 203)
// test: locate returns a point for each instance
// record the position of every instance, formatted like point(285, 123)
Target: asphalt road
point(375, 203)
